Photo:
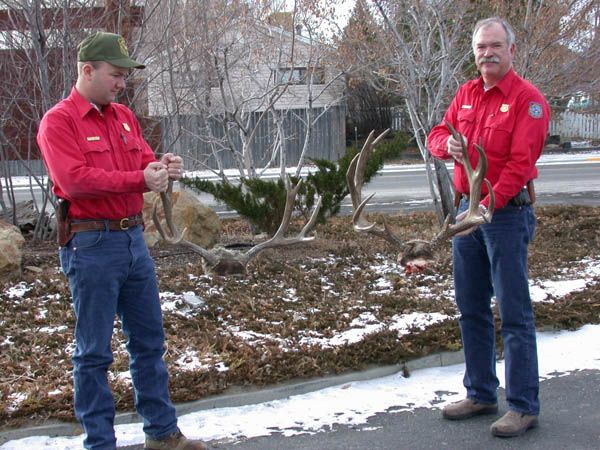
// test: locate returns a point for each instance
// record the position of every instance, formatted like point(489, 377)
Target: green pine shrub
point(262, 202)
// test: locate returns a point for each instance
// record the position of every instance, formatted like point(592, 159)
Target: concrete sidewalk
point(248, 396)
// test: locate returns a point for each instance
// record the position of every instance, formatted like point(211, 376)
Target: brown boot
point(468, 408)
point(512, 424)
point(175, 441)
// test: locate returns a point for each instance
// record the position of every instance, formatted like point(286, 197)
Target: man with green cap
point(101, 165)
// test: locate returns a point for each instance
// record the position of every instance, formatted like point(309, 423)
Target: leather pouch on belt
point(63, 234)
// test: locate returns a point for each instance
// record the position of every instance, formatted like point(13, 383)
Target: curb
point(250, 396)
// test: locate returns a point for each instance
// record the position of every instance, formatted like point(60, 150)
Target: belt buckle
point(124, 223)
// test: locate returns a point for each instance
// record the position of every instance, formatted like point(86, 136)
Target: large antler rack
point(419, 253)
point(225, 262)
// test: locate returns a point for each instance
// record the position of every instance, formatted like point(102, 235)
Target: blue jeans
point(111, 273)
point(493, 260)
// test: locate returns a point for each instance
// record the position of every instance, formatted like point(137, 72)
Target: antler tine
point(476, 178)
point(356, 170)
point(278, 239)
point(358, 221)
point(355, 179)
point(175, 237)
point(354, 176)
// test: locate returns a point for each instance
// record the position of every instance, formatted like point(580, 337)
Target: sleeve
point(527, 142)
point(68, 168)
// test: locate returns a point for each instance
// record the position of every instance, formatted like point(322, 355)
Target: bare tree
point(230, 75)
point(36, 72)
point(421, 54)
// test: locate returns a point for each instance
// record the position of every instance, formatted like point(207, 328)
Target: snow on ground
point(350, 403)
point(353, 403)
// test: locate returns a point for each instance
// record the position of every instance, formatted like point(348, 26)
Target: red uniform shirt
point(510, 121)
point(95, 160)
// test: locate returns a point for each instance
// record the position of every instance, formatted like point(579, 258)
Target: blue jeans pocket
point(87, 239)
point(65, 255)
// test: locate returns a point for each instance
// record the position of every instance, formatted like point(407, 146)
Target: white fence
point(576, 125)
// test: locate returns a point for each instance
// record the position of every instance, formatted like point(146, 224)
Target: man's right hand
point(455, 148)
point(156, 177)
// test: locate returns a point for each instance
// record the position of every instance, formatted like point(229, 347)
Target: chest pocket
point(97, 154)
point(465, 117)
point(132, 154)
point(497, 132)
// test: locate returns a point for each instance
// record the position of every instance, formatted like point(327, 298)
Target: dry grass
point(288, 295)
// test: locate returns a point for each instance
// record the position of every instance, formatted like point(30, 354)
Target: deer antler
point(224, 262)
point(476, 178)
point(355, 177)
point(165, 197)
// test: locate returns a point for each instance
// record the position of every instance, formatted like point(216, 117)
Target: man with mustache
point(509, 117)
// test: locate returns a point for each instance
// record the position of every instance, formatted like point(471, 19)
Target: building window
point(299, 75)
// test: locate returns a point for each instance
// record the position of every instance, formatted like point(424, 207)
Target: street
point(569, 420)
point(563, 179)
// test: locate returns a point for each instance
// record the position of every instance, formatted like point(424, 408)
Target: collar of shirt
point(504, 85)
point(84, 106)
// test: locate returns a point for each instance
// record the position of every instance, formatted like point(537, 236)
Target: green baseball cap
point(109, 47)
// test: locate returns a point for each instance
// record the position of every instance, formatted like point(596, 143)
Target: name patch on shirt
point(504, 107)
point(466, 106)
point(126, 126)
point(535, 110)
point(93, 138)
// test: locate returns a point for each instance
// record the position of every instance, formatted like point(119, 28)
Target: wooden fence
point(328, 140)
point(572, 125)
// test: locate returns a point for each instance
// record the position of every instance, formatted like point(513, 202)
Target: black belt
point(113, 225)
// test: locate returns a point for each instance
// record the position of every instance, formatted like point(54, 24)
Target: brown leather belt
point(113, 225)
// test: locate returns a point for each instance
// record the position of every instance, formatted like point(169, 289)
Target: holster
point(63, 222)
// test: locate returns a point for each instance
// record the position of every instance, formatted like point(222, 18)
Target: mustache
point(491, 59)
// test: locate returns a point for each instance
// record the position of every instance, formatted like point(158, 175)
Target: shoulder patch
point(535, 110)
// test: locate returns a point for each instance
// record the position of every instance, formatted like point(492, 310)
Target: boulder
point(202, 223)
point(11, 254)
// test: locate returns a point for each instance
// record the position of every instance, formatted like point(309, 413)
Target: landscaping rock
point(202, 223)
point(11, 244)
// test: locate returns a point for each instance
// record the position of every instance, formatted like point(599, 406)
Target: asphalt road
point(570, 420)
point(566, 179)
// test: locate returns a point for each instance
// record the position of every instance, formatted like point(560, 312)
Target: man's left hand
point(174, 165)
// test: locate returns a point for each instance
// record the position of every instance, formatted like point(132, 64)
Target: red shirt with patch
point(95, 160)
point(510, 121)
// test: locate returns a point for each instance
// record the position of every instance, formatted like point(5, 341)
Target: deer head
point(417, 254)
point(224, 262)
